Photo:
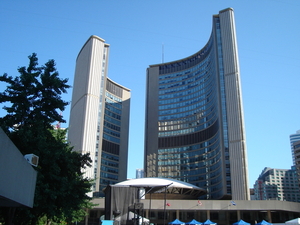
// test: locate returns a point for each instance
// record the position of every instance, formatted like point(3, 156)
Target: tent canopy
point(241, 222)
point(294, 221)
point(207, 222)
point(263, 222)
point(177, 222)
point(194, 222)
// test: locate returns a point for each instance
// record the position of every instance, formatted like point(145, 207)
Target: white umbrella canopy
point(294, 221)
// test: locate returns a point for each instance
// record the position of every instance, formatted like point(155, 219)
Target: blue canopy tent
point(208, 222)
point(263, 222)
point(241, 222)
point(194, 222)
point(177, 222)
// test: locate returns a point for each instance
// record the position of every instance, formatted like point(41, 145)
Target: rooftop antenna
point(162, 57)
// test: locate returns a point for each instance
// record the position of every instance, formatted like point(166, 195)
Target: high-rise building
point(99, 118)
point(296, 147)
point(294, 138)
point(139, 173)
point(194, 128)
point(277, 184)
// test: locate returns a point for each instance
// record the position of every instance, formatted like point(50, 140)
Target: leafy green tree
point(33, 101)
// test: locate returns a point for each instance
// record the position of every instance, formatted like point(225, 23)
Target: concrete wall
point(17, 176)
point(273, 211)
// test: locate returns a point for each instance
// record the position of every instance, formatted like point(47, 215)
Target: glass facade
point(187, 116)
point(189, 141)
point(111, 136)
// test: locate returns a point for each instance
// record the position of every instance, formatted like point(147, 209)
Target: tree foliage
point(34, 95)
point(33, 101)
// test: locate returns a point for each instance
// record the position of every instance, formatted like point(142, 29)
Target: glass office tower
point(194, 128)
point(99, 118)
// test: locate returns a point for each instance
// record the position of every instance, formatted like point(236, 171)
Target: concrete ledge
point(17, 176)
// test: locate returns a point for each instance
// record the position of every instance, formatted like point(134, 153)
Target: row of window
point(200, 148)
point(110, 157)
point(198, 76)
point(111, 132)
point(189, 139)
point(187, 63)
point(199, 83)
point(179, 102)
point(114, 89)
point(113, 103)
point(184, 95)
point(186, 128)
point(109, 176)
point(211, 119)
point(113, 115)
point(183, 75)
point(111, 108)
point(199, 92)
point(109, 169)
point(112, 126)
point(112, 120)
point(201, 167)
point(182, 113)
point(191, 156)
point(109, 163)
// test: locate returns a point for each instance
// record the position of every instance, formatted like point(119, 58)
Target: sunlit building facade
point(194, 128)
point(99, 118)
point(277, 184)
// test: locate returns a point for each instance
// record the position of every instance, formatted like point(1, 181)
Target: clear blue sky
point(268, 34)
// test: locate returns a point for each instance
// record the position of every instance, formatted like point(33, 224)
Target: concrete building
point(99, 117)
point(277, 184)
point(18, 178)
point(194, 128)
point(294, 138)
point(221, 212)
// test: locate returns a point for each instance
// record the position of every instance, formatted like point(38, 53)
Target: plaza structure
point(165, 200)
point(277, 184)
point(99, 116)
point(194, 125)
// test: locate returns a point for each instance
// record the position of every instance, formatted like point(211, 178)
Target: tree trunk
point(9, 215)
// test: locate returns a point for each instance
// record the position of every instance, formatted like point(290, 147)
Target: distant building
point(296, 147)
point(294, 138)
point(252, 195)
point(277, 184)
point(99, 118)
point(194, 129)
point(139, 173)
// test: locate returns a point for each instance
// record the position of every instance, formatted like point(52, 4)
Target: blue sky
point(268, 37)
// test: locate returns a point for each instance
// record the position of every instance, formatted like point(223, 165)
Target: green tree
point(34, 99)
